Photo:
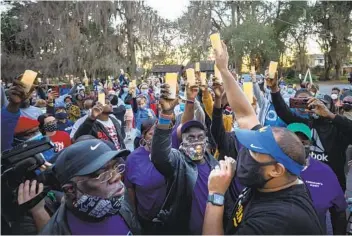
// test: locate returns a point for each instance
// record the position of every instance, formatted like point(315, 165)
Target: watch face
point(218, 199)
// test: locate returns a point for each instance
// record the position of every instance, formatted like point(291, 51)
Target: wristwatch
point(216, 199)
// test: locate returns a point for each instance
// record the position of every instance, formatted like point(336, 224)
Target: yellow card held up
point(134, 83)
point(197, 67)
point(216, 41)
point(248, 90)
point(272, 69)
point(28, 79)
point(171, 80)
point(101, 98)
point(203, 78)
point(191, 77)
point(218, 78)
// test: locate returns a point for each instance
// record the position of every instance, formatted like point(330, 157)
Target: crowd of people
point(207, 162)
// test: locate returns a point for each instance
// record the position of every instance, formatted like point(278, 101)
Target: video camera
point(17, 165)
point(21, 162)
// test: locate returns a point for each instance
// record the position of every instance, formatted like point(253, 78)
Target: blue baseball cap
point(263, 141)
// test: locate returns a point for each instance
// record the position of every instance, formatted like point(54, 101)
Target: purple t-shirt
point(199, 199)
point(148, 183)
point(114, 225)
point(324, 188)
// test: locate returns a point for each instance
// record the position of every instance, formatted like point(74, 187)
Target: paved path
point(325, 87)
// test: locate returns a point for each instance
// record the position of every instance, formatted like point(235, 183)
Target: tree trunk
point(337, 70)
point(131, 50)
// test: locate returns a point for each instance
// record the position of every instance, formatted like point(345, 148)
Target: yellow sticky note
point(248, 90)
point(203, 78)
point(216, 41)
point(272, 69)
point(171, 80)
point(197, 67)
point(101, 97)
point(28, 79)
point(218, 78)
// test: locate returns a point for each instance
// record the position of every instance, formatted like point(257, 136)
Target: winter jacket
point(330, 137)
point(58, 225)
point(181, 174)
point(96, 129)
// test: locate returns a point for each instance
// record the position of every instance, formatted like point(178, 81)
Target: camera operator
point(331, 132)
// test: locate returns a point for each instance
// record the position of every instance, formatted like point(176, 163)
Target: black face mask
point(249, 171)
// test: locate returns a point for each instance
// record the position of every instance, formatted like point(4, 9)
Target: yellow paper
point(248, 90)
point(86, 82)
point(203, 78)
point(218, 78)
point(28, 79)
point(101, 97)
point(216, 41)
point(272, 69)
point(134, 83)
point(191, 78)
point(171, 80)
point(197, 67)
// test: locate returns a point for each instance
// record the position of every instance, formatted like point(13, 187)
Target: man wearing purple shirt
point(324, 188)
point(90, 175)
point(186, 170)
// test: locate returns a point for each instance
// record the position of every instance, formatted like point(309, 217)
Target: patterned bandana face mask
point(195, 151)
point(96, 207)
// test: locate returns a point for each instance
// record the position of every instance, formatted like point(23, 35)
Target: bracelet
point(163, 121)
point(190, 102)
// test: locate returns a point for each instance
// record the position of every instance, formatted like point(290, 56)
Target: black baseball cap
point(190, 124)
point(84, 158)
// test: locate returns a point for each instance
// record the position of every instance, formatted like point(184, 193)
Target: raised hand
point(218, 90)
point(273, 84)
point(222, 57)
point(318, 107)
point(220, 178)
point(191, 92)
point(167, 105)
point(17, 93)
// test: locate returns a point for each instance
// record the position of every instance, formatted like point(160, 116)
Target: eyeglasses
point(107, 175)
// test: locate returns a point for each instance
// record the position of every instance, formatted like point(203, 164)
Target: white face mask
point(334, 96)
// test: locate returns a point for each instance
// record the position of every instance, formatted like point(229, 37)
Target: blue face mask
point(182, 107)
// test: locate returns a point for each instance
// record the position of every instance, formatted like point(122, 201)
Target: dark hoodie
point(330, 137)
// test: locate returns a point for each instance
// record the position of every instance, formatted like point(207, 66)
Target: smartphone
point(28, 79)
point(197, 67)
point(299, 103)
point(272, 69)
point(171, 80)
point(216, 42)
point(218, 77)
point(203, 79)
point(101, 98)
point(191, 77)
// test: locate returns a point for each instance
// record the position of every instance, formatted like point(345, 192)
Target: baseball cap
point(84, 158)
point(300, 128)
point(24, 124)
point(190, 124)
point(263, 141)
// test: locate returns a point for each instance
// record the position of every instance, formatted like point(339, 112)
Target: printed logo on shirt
point(317, 149)
point(271, 115)
point(314, 184)
point(238, 215)
point(58, 146)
